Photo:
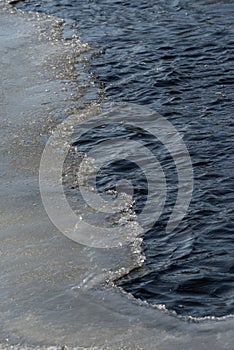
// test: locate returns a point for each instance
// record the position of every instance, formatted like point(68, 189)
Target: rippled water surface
point(177, 58)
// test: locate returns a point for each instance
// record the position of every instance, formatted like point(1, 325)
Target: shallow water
point(176, 57)
point(55, 291)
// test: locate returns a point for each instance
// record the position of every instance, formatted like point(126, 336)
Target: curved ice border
point(57, 148)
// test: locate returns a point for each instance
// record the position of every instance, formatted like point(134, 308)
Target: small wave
point(58, 292)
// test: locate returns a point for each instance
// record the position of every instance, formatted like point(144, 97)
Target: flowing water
point(176, 58)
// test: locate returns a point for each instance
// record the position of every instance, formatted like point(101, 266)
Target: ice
point(54, 293)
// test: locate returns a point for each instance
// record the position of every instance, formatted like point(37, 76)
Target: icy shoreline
point(41, 268)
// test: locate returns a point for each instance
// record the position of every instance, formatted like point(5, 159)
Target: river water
point(176, 58)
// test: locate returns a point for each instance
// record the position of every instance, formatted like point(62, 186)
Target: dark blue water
point(177, 58)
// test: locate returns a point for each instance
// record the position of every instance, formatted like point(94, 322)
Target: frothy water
point(55, 291)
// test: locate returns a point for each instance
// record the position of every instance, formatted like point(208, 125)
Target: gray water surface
point(177, 58)
point(54, 291)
